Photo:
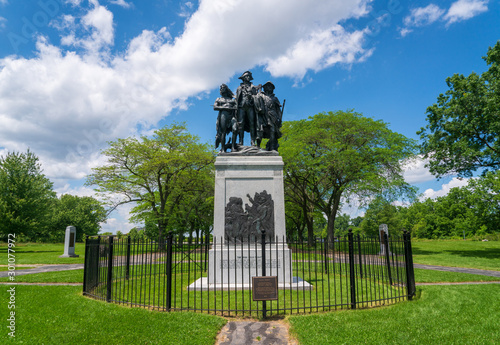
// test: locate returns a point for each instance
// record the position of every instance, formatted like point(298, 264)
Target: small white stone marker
point(383, 229)
point(69, 243)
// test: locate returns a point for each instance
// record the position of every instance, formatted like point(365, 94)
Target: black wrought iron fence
point(215, 276)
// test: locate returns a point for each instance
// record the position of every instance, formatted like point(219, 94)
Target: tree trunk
point(331, 219)
point(161, 234)
point(309, 223)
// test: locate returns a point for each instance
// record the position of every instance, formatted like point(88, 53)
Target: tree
point(342, 224)
point(472, 210)
point(381, 211)
point(25, 196)
point(85, 213)
point(157, 173)
point(298, 196)
point(343, 154)
point(462, 134)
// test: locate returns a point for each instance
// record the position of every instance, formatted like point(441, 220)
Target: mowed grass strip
point(61, 315)
point(431, 276)
point(464, 314)
point(42, 253)
point(421, 276)
point(72, 276)
point(458, 253)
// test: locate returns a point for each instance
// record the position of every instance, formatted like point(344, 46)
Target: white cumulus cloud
point(465, 9)
point(421, 16)
point(415, 171)
point(72, 97)
point(459, 10)
point(445, 188)
point(121, 3)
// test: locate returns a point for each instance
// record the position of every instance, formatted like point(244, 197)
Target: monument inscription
point(265, 288)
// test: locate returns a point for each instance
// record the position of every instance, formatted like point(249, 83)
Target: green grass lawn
point(439, 315)
point(458, 253)
point(41, 253)
point(61, 315)
point(430, 276)
point(421, 276)
point(465, 314)
point(72, 276)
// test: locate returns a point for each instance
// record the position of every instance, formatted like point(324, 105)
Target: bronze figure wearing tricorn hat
point(246, 114)
point(254, 110)
point(245, 74)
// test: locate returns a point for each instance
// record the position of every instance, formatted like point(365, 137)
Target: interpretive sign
point(265, 288)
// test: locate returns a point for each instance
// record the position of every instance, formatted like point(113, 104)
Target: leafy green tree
point(472, 210)
point(298, 195)
point(462, 134)
point(85, 213)
point(136, 234)
point(381, 211)
point(25, 196)
point(344, 154)
point(158, 173)
point(342, 224)
point(294, 217)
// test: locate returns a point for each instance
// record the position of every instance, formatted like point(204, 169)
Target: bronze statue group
point(255, 110)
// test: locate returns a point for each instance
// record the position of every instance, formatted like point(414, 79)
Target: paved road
point(53, 268)
point(43, 269)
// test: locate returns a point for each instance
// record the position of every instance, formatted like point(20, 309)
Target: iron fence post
point(85, 265)
point(410, 274)
point(407, 261)
point(127, 269)
point(98, 261)
point(207, 242)
point(110, 270)
point(263, 246)
point(387, 259)
point(350, 237)
point(325, 254)
point(360, 257)
point(168, 270)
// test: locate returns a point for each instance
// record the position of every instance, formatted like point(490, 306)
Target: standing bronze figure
point(245, 94)
point(255, 111)
point(269, 117)
point(226, 120)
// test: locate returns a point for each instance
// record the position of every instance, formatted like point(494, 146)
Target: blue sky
point(75, 74)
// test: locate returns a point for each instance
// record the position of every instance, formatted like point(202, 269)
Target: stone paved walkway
point(254, 332)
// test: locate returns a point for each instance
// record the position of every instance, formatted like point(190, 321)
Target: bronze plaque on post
point(265, 288)
point(382, 236)
point(72, 239)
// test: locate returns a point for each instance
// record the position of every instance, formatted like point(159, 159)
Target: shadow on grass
point(491, 253)
point(31, 251)
point(417, 251)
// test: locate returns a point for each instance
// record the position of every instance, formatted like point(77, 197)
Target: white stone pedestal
point(69, 243)
point(239, 176)
point(232, 266)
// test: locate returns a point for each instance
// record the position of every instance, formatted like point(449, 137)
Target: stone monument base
point(202, 284)
point(248, 200)
point(69, 256)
